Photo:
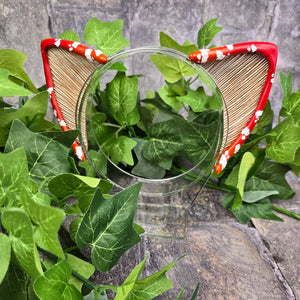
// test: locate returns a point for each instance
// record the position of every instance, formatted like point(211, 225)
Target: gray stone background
point(23, 24)
point(230, 261)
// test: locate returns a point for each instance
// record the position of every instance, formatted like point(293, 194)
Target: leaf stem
point(111, 125)
point(191, 80)
point(286, 212)
point(132, 131)
point(86, 281)
point(71, 249)
point(54, 258)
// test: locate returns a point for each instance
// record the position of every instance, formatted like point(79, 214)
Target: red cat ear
point(244, 74)
point(67, 66)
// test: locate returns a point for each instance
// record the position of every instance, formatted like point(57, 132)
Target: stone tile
point(65, 16)
point(225, 259)
point(23, 24)
point(283, 241)
point(228, 259)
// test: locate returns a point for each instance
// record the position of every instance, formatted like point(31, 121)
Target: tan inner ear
point(69, 73)
point(240, 79)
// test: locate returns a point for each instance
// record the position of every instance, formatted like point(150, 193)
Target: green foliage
point(10, 89)
point(69, 35)
point(54, 284)
point(20, 232)
point(106, 36)
point(207, 33)
point(107, 227)
point(42, 152)
point(172, 69)
point(40, 184)
point(13, 61)
point(32, 114)
point(5, 248)
point(266, 179)
point(282, 147)
point(120, 95)
point(166, 41)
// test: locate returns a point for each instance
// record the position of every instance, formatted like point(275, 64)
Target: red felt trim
point(82, 50)
point(267, 50)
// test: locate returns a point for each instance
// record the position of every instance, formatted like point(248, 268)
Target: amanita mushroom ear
point(244, 74)
point(67, 66)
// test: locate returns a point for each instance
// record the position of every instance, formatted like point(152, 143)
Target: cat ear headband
point(243, 72)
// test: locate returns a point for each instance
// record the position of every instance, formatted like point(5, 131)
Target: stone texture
point(23, 24)
point(282, 240)
point(229, 260)
point(274, 21)
point(222, 259)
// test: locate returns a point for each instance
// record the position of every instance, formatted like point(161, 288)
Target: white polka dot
point(88, 53)
point(220, 55)
point(62, 123)
point(57, 43)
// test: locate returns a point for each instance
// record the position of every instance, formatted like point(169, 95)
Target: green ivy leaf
point(197, 139)
point(107, 36)
point(237, 178)
point(120, 96)
point(47, 221)
point(144, 167)
point(78, 265)
point(13, 61)
point(261, 209)
point(292, 106)
point(153, 285)
point(31, 114)
point(82, 187)
point(55, 284)
point(120, 149)
point(178, 137)
point(197, 100)
point(125, 289)
point(46, 157)
point(118, 66)
point(20, 230)
point(5, 250)
point(207, 33)
point(99, 161)
point(282, 147)
point(14, 285)
point(171, 68)
point(107, 227)
point(70, 35)
point(254, 196)
point(10, 89)
point(296, 161)
point(167, 41)
point(169, 96)
point(270, 177)
point(164, 145)
point(286, 85)
point(13, 176)
point(133, 117)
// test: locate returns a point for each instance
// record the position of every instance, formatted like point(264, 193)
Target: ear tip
point(194, 56)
